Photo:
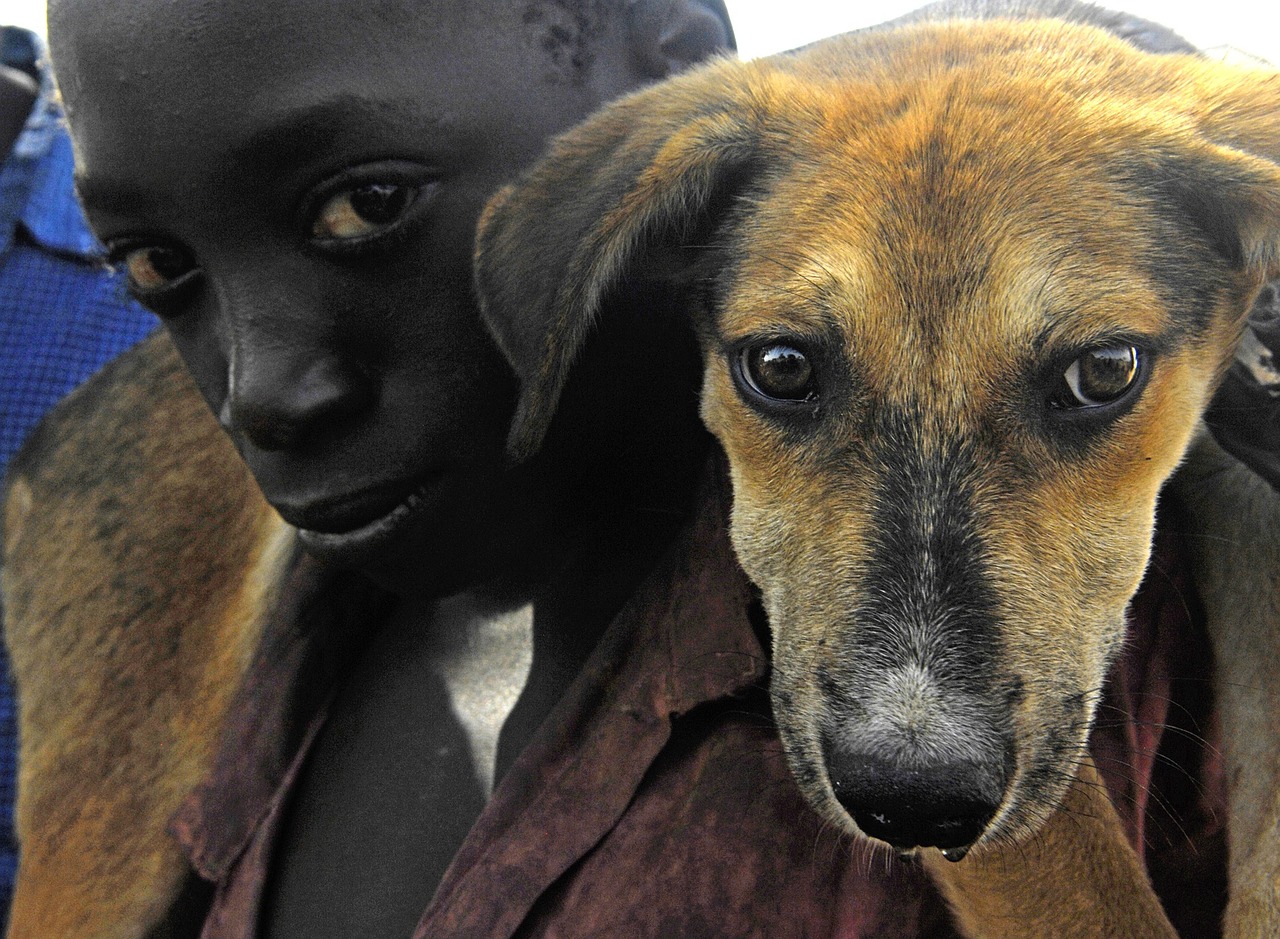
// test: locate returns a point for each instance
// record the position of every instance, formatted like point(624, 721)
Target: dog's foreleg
point(1235, 549)
point(1077, 876)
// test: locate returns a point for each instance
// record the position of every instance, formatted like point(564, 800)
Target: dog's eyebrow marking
point(794, 269)
point(806, 294)
point(810, 319)
point(1066, 334)
point(814, 298)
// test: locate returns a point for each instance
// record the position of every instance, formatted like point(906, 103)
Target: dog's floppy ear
point(1227, 181)
point(550, 246)
point(1231, 197)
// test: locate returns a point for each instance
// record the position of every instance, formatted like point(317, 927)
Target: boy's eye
point(363, 211)
point(157, 267)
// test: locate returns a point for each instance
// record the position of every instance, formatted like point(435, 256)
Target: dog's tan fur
point(943, 215)
point(1077, 877)
point(127, 637)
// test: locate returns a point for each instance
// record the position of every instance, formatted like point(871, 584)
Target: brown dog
point(963, 291)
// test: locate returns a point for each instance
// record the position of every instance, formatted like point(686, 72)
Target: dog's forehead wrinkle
point(807, 270)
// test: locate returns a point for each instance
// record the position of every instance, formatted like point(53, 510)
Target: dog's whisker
point(1169, 731)
point(789, 268)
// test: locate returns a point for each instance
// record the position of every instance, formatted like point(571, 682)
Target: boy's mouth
point(341, 529)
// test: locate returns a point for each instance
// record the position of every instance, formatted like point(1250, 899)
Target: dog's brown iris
point(778, 371)
point(1100, 376)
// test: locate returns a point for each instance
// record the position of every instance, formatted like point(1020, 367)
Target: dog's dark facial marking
point(1196, 205)
point(916, 738)
point(1016, 691)
point(926, 583)
point(827, 682)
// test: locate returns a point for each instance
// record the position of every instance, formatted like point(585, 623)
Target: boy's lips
point(340, 529)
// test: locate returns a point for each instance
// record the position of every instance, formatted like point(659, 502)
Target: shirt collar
point(684, 638)
point(316, 626)
point(37, 189)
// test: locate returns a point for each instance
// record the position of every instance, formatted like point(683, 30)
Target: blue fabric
point(63, 314)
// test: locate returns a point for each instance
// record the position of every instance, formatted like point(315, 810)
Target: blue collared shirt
point(62, 316)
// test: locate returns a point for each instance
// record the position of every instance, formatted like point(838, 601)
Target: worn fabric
point(655, 800)
point(1245, 413)
point(62, 315)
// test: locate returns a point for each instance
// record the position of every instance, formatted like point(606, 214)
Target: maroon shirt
point(655, 800)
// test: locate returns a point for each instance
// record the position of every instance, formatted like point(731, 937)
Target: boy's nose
point(280, 404)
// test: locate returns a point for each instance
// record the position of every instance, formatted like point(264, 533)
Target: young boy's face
point(293, 187)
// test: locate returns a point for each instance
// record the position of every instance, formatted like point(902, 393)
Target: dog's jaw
point(1022, 743)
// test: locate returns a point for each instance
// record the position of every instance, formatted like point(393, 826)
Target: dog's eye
point(1099, 376)
point(362, 211)
point(153, 269)
point(778, 371)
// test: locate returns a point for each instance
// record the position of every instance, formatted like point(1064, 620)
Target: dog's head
point(963, 291)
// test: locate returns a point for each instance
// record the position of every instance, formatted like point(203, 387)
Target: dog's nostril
point(945, 805)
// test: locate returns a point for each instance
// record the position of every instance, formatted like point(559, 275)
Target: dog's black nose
point(944, 805)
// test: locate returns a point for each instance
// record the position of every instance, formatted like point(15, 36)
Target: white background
point(764, 26)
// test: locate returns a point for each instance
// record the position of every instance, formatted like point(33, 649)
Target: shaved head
point(293, 188)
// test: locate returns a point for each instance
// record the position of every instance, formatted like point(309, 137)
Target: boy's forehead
point(241, 107)
point(131, 70)
point(253, 41)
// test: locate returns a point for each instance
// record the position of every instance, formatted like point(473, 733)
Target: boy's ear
point(668, 36)
point(645, 174)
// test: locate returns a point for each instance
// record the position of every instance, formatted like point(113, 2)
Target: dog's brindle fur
point(135, 668)
point(943, 217)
